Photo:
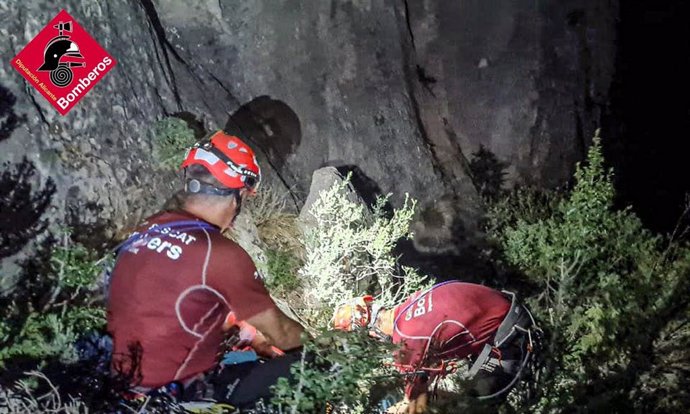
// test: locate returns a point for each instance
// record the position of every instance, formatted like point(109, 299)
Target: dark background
point(649, 111)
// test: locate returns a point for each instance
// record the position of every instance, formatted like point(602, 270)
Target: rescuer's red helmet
point(354, 314)
point(228, 158)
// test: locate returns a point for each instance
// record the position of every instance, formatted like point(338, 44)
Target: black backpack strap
point(518, 319)
point(479, 362)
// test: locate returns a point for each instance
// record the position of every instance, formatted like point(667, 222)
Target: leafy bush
point(605, 284)
point(172, 136)
point(341, 371)
point(665, 385)
point(282, 267)
point(348, 252)
point(67, 307)
point(281, 236)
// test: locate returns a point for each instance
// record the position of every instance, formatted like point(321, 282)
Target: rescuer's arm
point(242, 285)
point(279, 330)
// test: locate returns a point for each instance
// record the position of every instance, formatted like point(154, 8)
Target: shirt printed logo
point(172, 249)
point(423, 306)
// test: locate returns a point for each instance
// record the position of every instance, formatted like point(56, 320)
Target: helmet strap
point(373, 328)
point(194, 186)
point(238, 205)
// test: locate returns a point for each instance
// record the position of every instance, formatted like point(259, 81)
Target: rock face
point(96, 161)
point(405, 92)
point(526, 80)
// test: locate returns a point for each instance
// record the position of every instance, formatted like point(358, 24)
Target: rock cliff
point(402, 92)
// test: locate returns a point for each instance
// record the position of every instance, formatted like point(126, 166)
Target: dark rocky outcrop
point(403, 91)
point(23, 201)
point(526, 80)
point(98, 156)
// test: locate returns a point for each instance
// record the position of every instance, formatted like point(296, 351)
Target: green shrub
point(348, 252)
point(282, 266)
point(172, 136)
point(665, 385)
point(527, 205)
point(74, 266)
point(67, 307)
point(42, 337)
point(344, 369)
point(281, 240)
point(604, 283)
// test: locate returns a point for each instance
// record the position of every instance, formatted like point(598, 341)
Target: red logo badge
point(63, 62)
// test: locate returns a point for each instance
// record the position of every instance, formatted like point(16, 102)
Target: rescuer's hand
point(407, 406)
point(399, 408)
point(418, 405)
point(263, 348)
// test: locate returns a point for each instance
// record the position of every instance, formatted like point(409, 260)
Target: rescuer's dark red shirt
point(170, 294)
point(450, 321)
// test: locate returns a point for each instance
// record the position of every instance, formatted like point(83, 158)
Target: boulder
point(245, 233)
point(324, 179)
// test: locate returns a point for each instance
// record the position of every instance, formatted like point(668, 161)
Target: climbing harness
point(518, 322)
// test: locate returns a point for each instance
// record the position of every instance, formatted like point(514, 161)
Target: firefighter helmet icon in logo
point(61, 54)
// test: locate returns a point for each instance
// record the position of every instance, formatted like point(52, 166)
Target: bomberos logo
point(63, 62)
